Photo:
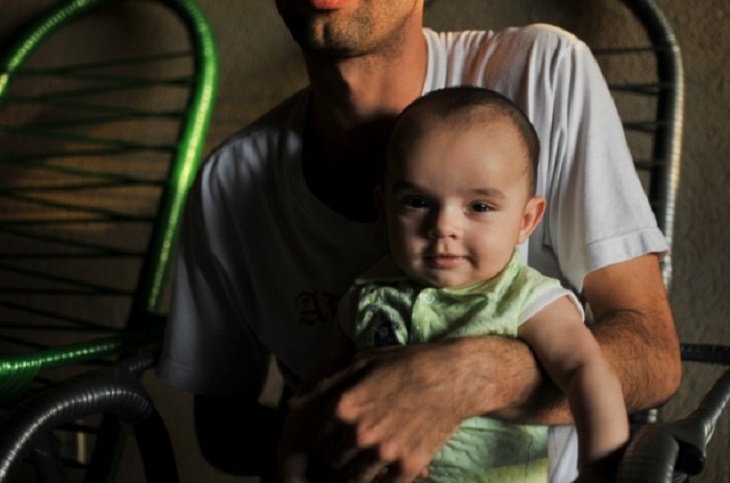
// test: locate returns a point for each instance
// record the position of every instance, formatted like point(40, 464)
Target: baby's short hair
point(476, 104)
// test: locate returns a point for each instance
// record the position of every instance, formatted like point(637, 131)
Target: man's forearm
point(645, 361)
point(430, 389)
point(635, 329)
point(518, 392)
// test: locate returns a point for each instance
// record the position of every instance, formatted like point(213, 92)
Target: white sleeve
point(544, 299)
point(209, 349)
point(598, 213)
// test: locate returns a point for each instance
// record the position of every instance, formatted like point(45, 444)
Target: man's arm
point(403, 404)
point(635, 328)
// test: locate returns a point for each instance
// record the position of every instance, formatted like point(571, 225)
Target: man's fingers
point(366, 440)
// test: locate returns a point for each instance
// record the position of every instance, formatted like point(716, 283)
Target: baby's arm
point(573, 359)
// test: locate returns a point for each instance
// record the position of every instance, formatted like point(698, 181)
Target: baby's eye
point(481, 207)
point(415, 202)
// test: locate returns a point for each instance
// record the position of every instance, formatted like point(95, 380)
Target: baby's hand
point(603, 470)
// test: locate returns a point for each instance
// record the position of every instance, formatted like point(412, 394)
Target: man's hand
point(391, 410)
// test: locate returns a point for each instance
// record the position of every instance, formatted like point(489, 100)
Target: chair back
point(100, 141)
point(646, 79)
point(98, 146)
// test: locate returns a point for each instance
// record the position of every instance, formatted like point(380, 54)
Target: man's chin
point(317, 40)
point(326, 50)
point(314, 45)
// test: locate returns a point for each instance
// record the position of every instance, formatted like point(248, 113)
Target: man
point(281, 220)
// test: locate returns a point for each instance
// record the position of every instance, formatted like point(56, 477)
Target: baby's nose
point(445, 224)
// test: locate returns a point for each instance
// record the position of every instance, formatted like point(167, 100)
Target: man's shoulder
point(524, 38)
point(248, 154)
point(540, 33)
point(287, 117)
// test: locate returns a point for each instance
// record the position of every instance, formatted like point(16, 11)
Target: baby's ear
point(534, 210)
point(379, 197)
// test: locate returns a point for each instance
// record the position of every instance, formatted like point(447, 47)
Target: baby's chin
point(445, 282)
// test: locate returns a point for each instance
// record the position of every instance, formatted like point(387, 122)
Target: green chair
point(99, 143)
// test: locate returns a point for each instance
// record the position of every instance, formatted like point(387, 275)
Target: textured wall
point(260, 66)
point(700, 290)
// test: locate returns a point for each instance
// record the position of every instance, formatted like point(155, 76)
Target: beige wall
point(260, 66)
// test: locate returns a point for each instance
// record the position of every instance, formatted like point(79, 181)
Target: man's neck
point(349, 91)
point(353, 105)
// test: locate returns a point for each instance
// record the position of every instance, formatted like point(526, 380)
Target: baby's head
point(460, 108)
point(459, 188)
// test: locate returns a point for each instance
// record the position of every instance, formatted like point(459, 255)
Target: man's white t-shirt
point(262, 262)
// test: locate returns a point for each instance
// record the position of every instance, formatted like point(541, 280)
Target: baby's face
point(457, 202)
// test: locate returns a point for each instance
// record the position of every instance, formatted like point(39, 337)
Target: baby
point(459, 198)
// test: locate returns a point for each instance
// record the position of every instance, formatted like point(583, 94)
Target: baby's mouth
point(443, 260)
